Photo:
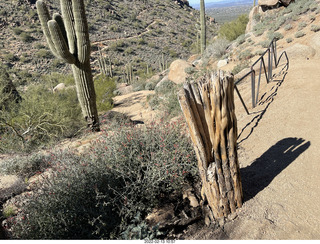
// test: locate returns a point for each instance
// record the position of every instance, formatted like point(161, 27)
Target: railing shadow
point(264, 169)
point(255, 121)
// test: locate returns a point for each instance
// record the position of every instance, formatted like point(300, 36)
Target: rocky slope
point(137, 32)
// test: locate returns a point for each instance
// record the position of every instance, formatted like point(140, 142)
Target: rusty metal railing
point(273, 61)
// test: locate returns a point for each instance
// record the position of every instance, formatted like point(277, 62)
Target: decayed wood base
point(209, 111)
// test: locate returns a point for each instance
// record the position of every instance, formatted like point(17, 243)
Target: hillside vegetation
point(136, 32)
point(139, 179)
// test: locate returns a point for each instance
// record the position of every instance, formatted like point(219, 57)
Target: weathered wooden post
point(209, 111)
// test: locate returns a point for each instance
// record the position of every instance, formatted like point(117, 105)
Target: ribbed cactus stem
point(203, 26)
point(68, 39)
point(254, 3)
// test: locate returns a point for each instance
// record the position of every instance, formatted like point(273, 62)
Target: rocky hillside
point(137, 32)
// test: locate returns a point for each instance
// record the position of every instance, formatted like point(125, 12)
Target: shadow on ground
point(264, 169)
point(268, 100)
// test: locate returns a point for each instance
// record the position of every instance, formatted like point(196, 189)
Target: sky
point(198, 1)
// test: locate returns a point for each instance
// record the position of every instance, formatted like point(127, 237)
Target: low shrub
point(128, 170)
point(288, 27)
point(217, 49)
point(315, 28)
point(299, 34)
point(289, 40)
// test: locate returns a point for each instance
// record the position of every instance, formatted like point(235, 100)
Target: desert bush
point(128, 170)
point(217, 49)
point(287, 27)
point(233, 29)
point(240, 67)
point(104, 87)
point(26, 37)
point(274, 35)
point(299, 34)
point(241, 39)
point(289, 40)
point(44, 53)
point(315, 28)
point(245, 55)
point(40, 119)
point(264, 44)
point(302, 25)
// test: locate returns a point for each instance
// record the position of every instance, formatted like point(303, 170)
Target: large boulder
point(252, 22)
point(177, 73)
point(271, 3)
point(267, 2)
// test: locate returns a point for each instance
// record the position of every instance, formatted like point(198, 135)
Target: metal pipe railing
point(272, 60)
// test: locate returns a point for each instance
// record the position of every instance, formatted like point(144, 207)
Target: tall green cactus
point(254, 3)
point(203, 38)
point(68, 39)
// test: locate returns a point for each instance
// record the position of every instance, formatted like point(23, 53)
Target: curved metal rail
point(273, 61)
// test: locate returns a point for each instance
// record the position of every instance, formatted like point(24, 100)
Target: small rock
point(59, 87)
point(222, 63)
point(191, 197)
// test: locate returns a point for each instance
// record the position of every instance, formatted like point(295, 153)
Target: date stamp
point(160, 241)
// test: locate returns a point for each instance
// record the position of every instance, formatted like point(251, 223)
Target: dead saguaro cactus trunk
point(209, 111)
point(68, 39)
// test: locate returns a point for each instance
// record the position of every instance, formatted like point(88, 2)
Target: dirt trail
point(279, 158)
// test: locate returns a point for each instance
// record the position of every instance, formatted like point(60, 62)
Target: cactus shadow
point(264, 169)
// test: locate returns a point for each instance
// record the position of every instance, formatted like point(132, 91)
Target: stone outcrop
point(177, 72)
point(252, 22)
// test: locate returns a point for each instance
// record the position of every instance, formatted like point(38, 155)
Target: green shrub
point(41, 118)
point(287, 27)
point(315, 28)
point(302, 25)
point(264, 44)
point(98, 195)
point(240, 67)
point(25, 37)
point(232, 30)
point(10, 57)
point(245, 55)
point(299, 34)
point(274, 35)
point(289, 40)
point(217, 49)
point(17, 31)
point(104, 87)
point(44, 53)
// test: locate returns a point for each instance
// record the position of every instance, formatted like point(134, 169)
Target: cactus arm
point(58, 18)
point(60, 43)
point(68, 18)
point(81, 27)
point(44, 17)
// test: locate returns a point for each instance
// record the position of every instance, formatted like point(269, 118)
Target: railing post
point(271, 62)
point(215, 142)
point(253, 87)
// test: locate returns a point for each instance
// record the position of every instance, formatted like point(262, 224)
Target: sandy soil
point(279, 157)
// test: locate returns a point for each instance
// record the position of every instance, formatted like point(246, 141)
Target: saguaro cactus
point(68, 39)
point(203, 26)
point(209, 111)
